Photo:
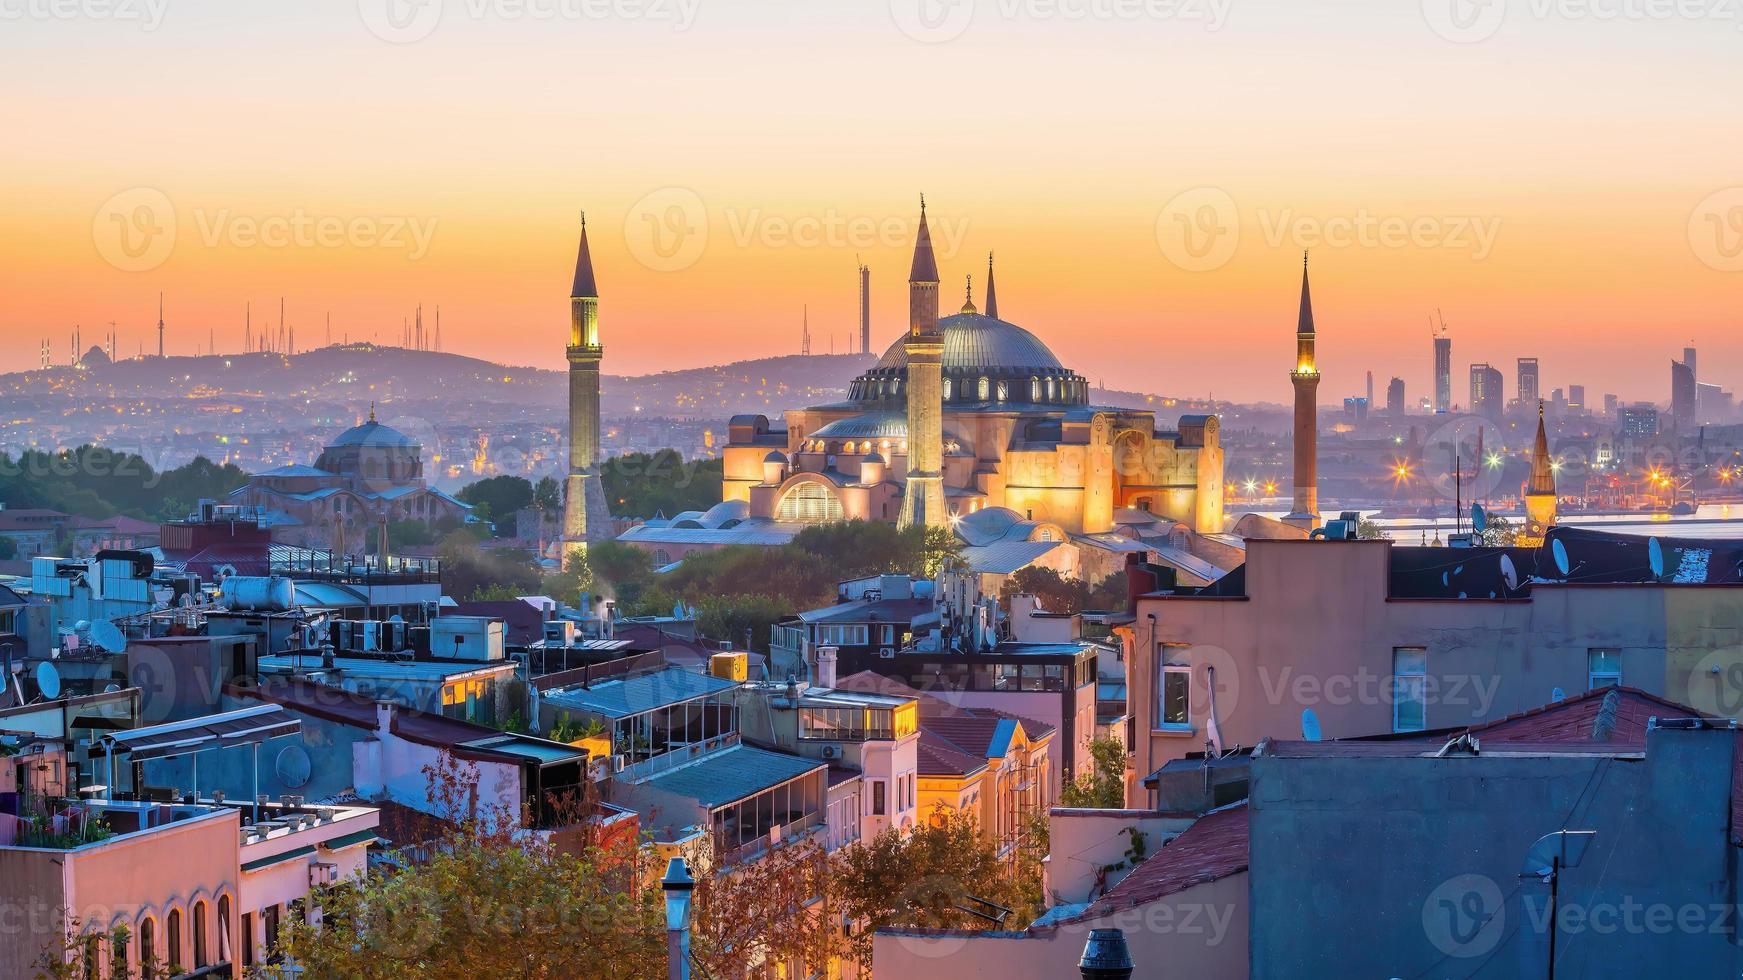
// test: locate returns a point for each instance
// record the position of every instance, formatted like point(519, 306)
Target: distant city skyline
point(1486, 180)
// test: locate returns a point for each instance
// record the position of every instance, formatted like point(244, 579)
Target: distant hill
point(352, 374)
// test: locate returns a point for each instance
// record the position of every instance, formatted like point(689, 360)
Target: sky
point(1557, 178)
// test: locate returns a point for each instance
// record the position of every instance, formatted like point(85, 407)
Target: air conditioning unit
point(831, 751)
point(887, 653)
point(617, 763)
point(322, 873)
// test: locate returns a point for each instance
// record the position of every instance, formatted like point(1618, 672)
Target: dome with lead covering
point(973, 342)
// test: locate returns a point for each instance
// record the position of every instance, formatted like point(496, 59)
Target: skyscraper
point(1395, 398)
point(1529, 392)
point(1576, 399)
point(923, 501)
point(586, 517)
point(1682, 393)
point(1304, 511)
point(1486, 385)
point(1442, 370)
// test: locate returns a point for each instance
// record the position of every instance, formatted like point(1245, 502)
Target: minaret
point(586, 518)
point(1304, 513)
point(159, 324)
point(1540, 496)
point(992, 295)
point(923, 499)
point(864, 308)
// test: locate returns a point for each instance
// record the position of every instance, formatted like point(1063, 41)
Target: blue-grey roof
point(621, 698)
point(295, 469)
point(373, 433)
point(756, 530)
point(1005, 557)
point(727, 777)
point(973, 342)
point(871, 425)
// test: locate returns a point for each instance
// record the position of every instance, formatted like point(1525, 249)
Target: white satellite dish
point(1559, 551)
point(48, 680)
point(1509, 573)
point(1479, 518)
point(1557, 694)
point(1655, 554)
point(105, 635)
point(1310, 729)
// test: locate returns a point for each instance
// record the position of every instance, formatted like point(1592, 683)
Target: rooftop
point(721, 778)
point(623, 697)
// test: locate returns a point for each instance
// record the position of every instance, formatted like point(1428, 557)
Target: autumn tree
point(1103, 785)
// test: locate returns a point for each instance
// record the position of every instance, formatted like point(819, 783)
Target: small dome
point(776, 456)
point(374, 434)
point(872, 425)
point(872, 458)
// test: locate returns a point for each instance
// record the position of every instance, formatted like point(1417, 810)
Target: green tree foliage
point(1059, 594)
point(548, 495)
point(664, 482)
point(409, 534)
point(472, 572)
point(498, 499)
point(1104, 785)
point(92, 481)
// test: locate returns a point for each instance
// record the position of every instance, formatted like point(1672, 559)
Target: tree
point(1104, 785)
point(409, 534)
point(1367, 530)
point(645, 484)
point(498, 499)
point(945, 874)
point(468, 570)
point(779, 909)
point(548, 495)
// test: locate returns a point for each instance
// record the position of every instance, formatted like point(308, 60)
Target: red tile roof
point(1214, 847)
point(938, 757)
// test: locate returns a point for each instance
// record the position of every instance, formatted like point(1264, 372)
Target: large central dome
point(988, 363)
point(973, 342)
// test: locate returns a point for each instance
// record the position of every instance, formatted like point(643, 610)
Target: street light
point(678, 886)
point(1105, 956)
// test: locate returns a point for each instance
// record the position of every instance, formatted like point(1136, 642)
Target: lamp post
point(678, 886)
point(1105, 956)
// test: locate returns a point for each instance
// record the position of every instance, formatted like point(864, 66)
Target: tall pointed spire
point(992, 295)
point(925, 268)
point(1304, 323)
point(1542, 467)
point(584, 284)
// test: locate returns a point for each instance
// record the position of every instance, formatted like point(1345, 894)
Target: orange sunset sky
point(1565, 181)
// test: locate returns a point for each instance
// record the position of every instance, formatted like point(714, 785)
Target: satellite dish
point(292, 766)
point(48, 680)
point(223, 571)
point(1655, 554)
point(1509, 573)
point(1556, 694)
point(396, 618)
point(1479, 518)
point(1310, 725)
point(1559, 551)
point(107, 636)
point(111, 689)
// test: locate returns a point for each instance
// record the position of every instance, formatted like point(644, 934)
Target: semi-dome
point(973, 342)
point(373, 434)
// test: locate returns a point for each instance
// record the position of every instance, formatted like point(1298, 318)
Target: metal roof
point(622, 698)
point(245, 727)
point(1005, 557)
point(373, 433)
point(973, 342)
point(742, 771)
point(756, 530)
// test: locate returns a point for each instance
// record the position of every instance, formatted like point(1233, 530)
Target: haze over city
point(1561, 183)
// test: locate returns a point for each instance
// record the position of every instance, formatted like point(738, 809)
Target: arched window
point(200, 955)
point(224, 953)
point(662, 558)
point(1004, 390)
point(148, 948)
point(1034, 389)
point(946, 389)
point(809, 503)
point(1049, 389)
point(981, 390)
point(172, 928)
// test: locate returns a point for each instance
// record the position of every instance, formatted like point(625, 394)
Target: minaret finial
point(922, 202)
point(1303, 257)
point(968, 297)
point(372, 410)
point(583, 221)
point(992, 296)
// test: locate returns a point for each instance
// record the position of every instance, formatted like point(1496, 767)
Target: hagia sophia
point(968, 421)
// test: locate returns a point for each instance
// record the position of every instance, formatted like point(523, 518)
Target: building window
point(662, 558)
point(1409, 689)
point(173, 930)
point(148, 948)
point(877, 799)
point(946, 389)
point(1604, 668)
point(981, 390)
point(1004, 390)
point(842, 636)
point(200, 955)
point(810, 503)
point(1174, 696)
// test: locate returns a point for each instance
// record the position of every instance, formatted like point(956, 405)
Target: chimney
point(826, 667)
point(384, 711)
